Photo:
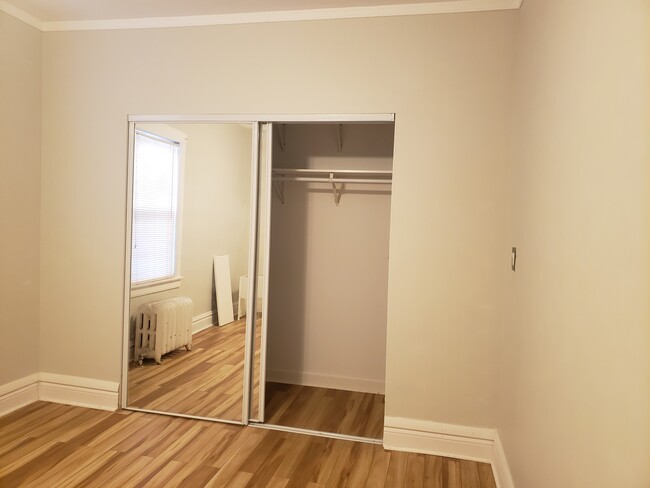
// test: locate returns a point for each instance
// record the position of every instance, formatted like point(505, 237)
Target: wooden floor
point(207, 381)
point(49, 445)
point(326, 410)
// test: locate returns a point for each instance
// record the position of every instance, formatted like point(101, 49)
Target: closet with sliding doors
point(256, 269)
point(324, 219)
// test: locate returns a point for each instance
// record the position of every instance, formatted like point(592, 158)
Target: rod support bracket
point(282, 136)
point(339, 134)
point(279, 188)
point(336, 190)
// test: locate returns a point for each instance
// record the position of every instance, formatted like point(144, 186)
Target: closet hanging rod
point(330, 180)
point(369, 172)
point(336, 178)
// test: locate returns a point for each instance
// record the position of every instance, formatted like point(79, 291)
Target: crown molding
point(396, 10)
point(21, 15)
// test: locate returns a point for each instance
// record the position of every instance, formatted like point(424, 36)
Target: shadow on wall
point(329, 264)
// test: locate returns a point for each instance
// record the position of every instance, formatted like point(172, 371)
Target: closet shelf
point(331, 176)
point(281, 131)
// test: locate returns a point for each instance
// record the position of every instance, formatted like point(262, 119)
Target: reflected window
point(155, 254)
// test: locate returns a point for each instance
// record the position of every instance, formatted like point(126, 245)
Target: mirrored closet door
point(192, 208)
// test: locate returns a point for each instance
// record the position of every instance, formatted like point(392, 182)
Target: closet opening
point(329, 198)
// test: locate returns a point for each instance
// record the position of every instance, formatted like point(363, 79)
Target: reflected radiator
point(161, 327)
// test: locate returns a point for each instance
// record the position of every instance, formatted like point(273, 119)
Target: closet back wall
point(447, 255)
point(329, 264)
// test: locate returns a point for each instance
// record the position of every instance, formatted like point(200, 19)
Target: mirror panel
point(191, 210)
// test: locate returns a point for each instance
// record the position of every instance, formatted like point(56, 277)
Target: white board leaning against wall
point(223, 289)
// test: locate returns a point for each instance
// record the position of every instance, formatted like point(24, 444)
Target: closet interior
point(328, 277)
point(257, 270)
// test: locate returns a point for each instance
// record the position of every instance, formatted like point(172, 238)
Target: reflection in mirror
point(262, 263)
point(191, 204)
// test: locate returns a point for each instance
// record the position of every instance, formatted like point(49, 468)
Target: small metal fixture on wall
point(513, 259)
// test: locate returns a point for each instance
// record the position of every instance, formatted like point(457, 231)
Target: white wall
point(329, 264)
point(216, 209)
point(575, 386)
point(20, 186)
point(447, 78)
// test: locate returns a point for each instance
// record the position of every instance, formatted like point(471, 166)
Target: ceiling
point(88, 14)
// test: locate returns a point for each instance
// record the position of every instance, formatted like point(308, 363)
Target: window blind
point(155, 205)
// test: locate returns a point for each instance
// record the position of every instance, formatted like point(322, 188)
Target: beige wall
point(571, 396)
point(20, 185)
point(329, 264)
point(216, 210)
point(575, 391)
point(446, 77)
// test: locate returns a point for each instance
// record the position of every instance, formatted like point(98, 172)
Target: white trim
point(502, 474)
point(57, 388)
point(456, 441)
point(252, 271)
point(79, 391)
point(325, 381)
point(127, 351)
point(18, 393)
point(156, 286)
point(252, 118)
point(399, 10)
point(265, 234)
point(202, 322)
point(316, 433)
point(185, 416)
point(14, 386)
point(21, 15)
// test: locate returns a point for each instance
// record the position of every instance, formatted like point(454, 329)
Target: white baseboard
point(325, 381)
point(500, 467)
point(208, 319)
point(79, 391)
point(56, 388)
point(18, 393)
point(448, 440)
point(456, 441)
point(202, 322)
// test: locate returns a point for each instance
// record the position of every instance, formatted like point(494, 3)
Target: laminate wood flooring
point(52, 446)
point(326, 410)
point(207, 381)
